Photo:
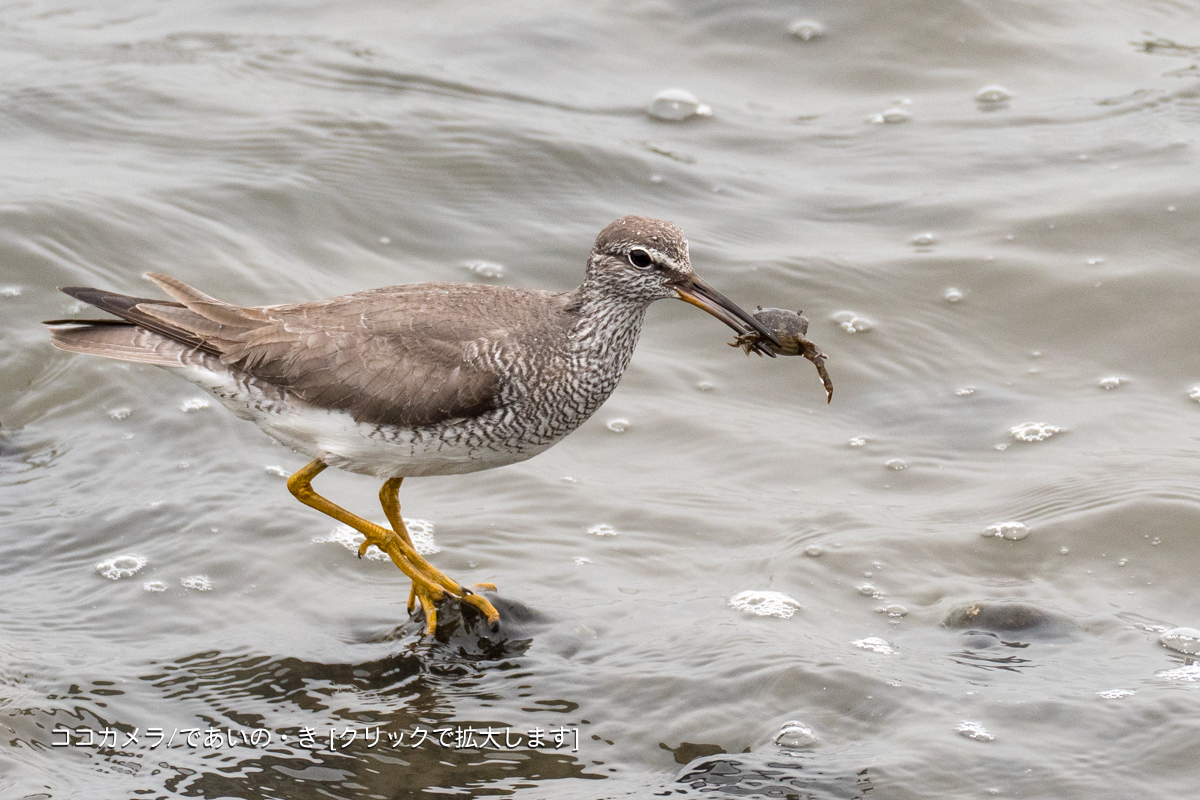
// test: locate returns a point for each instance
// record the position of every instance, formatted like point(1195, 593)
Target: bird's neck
point(606, 321)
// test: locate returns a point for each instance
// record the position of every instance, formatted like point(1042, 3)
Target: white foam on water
point(1111, 382)
point(120, 413)
point(852, 322)
point(275, 469)
point(874, 644)
point(199, 583)
point(765, 603)
point(118, 567)
point(1115, 694)
point(966, 391)
point(974, 730)
point(892, 116)
point(924, 239)
point(488, 270)
point(806, 29)
point(1012, 530)
point(194, 404)
point(1189, 673)
point(617, 425)
point(602, 529)
point(896, 464)
point(953, 295)
point(419, 530)
point(1034, 431)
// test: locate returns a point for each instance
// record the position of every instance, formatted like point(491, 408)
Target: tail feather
point(121, 341)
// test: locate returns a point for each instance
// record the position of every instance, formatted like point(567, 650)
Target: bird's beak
point(695, 291)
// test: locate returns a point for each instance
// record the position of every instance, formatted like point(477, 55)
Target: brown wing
point(387, 356)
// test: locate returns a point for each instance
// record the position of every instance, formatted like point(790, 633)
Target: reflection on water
point(1002, 273)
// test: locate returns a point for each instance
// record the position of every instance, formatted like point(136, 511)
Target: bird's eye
point(640, 258)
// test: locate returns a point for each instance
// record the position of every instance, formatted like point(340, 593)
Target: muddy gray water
point(1012, 259)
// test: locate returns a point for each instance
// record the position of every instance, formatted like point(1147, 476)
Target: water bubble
point(1095, 262)
point(120, 413)
point(275, 469)
point(892, 116)
point(1013, 531)
point(795, 734)
point(895, 610)
point(965, 391)
point(125, 566)
point(10, 291)
point(195, 404)
point(1115, 694)
point(993, 95)
point(384, 240)
point(869, 590)
point(569, 479)
point(1111, 382)
point(1170, 208)
point(765, 603)
point(705, 386)
point(618, 425)
point(1182, 640)
point(154, 586)
point(953, 295)
point(419, 530)
point(602, 529)
point(581, 560)
point(1194, 393)
point(851, 322)
point(488, 270)
point(857, 441)
point(676, 105)
point(974, 730)
point(924, 239)
point(200, 583)
point(1034, 431)
point(1064, 551)
point(896, 464)
point(814, 551)
point(806, 29)
point(657, 178)
point(875, 645)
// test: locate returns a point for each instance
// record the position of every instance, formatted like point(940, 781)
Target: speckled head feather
point(628, 232)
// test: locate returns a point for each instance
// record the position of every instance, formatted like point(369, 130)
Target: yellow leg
point(429, 585)
point(389, 498)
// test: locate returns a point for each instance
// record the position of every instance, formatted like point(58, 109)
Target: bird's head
point(644, 259)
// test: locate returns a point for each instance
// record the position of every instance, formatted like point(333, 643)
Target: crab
point(789, 328)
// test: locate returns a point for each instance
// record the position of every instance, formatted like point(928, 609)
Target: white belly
point(334, 437)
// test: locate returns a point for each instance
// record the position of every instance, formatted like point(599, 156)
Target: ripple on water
point(1034, 431)
point(1115, 694)
point(1012, 530)
point(420, 530)
point(124, 566)
point(765, 603)
point(618, 425)
point(1181, 640)
point(676, 105)
point(1189, 673)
